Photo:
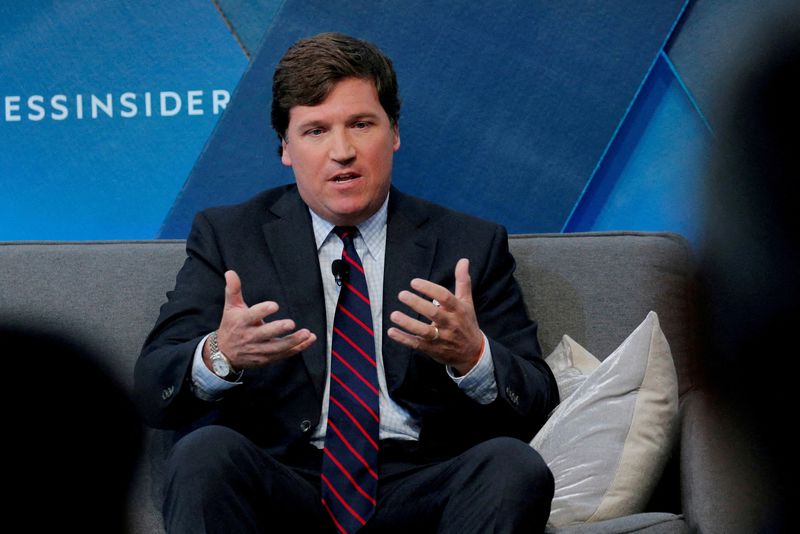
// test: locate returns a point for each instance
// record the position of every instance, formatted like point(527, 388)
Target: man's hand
point(246, 340)
point(459, 339)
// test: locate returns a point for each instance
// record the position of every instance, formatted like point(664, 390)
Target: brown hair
point(311, 67)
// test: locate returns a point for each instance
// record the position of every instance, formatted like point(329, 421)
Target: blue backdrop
point(544, 116)
point(505, 111)
point(77, 168)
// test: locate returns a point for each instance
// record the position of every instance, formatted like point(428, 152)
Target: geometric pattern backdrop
point(544, 116)
point(105, 107)
point(507, 106)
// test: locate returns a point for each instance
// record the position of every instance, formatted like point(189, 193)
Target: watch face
point(220, 367)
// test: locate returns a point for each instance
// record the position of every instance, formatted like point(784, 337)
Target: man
point(297, 408)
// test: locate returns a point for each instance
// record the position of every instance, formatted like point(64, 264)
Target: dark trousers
point(219, 481)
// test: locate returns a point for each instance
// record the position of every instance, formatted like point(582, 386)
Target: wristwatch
point(219, 362)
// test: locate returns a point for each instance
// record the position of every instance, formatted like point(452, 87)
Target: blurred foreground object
point(74, 438)
point(749, 276)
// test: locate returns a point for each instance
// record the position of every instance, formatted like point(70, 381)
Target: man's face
point(341, 152)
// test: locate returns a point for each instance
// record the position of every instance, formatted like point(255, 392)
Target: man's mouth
point(346, 177)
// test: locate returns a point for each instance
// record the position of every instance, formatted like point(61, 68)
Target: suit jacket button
point(305, 425)
point(167, 392)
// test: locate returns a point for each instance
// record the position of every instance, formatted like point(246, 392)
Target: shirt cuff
point(479, 383)
point(206, 385)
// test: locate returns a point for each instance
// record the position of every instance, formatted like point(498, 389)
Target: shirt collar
point(373, 230)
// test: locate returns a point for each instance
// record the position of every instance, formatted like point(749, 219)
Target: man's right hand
point(246, 340)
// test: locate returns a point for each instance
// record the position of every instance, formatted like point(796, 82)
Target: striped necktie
point(350, 462)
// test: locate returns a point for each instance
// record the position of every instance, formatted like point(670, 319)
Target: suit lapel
point(409, 254)
point(290, 239)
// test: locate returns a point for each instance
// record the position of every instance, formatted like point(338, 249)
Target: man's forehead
point(348, 99)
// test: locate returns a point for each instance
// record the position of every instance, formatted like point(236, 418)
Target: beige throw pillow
point(607, 443)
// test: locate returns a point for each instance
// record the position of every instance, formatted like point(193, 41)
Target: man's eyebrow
point(313, 123)
point(365, 115)
point(317, 123)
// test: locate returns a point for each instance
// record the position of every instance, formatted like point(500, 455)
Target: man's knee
point(206, 445)
point(515, 465)
point(209, 455)
point(212, 477)
point(502, 485)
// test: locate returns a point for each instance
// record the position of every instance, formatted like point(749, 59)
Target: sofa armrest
point(724, 485)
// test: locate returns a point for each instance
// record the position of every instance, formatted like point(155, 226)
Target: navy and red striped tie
point(350, 463)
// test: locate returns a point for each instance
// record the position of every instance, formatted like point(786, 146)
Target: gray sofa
point(595, 287)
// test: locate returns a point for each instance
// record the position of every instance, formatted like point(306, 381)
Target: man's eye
point(360, 125)
point(314, 132)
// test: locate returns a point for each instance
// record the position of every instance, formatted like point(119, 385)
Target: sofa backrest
point(595, 287)
point(105, 294)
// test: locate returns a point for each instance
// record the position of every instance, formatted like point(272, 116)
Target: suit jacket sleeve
point(526, 387)
point(193, 309)
point(268, 240)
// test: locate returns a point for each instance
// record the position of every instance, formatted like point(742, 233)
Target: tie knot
point(345, 233)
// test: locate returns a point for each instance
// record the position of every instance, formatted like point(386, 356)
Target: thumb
point(463, 281)
point(233, 291)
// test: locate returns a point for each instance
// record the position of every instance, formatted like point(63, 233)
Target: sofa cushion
point(608, 442)
point(648, 523)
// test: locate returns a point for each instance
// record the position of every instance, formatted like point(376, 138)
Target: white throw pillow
point(607, 443)
point(571, 364)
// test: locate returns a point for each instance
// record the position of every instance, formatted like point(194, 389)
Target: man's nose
point(342, 149)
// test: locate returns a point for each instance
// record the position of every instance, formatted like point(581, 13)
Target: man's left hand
point(453, 336)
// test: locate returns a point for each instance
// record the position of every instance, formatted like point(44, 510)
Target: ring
point(435, 333)
point(435, 303)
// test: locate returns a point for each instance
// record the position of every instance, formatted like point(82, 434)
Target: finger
point(303, 345)
point(278, 349)
point(290, 344)
point(300, 340)
point(404, 338)
point(431, 290)
point(262, 310)
point(233, 291)
point(283, 347)
point(463, 281)
point(419, 304)
point(413, 326)
point(274, 329)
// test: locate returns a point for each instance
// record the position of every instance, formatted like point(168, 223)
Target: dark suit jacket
point(269, 242)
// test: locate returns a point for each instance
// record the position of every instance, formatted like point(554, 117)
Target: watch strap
point(216, 354)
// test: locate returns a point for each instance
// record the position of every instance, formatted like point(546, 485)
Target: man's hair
point(311, 67)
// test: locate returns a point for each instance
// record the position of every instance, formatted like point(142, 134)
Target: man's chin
point(351, 215)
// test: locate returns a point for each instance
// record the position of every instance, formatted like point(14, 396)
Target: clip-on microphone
point(340, 270)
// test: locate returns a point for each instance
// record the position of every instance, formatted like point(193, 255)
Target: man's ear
point(396, 133)
point(286, 159)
